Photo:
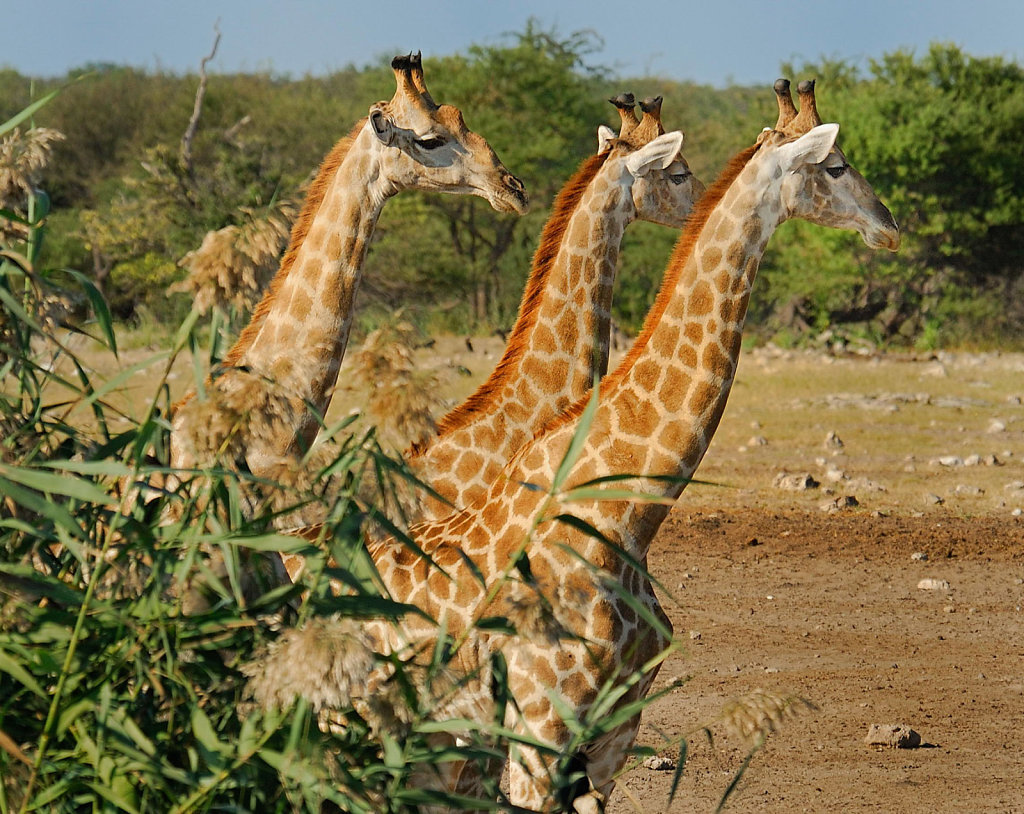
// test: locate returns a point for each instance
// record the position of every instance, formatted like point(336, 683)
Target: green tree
point(937, 137)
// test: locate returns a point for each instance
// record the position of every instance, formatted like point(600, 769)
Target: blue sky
point(708, 41)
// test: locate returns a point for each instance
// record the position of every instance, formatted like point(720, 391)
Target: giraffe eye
point(678, 177)
point(835, 172)
point(430, 142)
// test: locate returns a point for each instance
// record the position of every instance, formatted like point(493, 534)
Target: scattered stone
point(949, 460)
point(795, 483)
point(991, 460)
point(757, 441)
point(657, 763)
point(833, 441)
point(930, 584)
point(966, 490)
point(839, 503)
point(695, 635)
point(949, 609)
point(919, 556)
point(933, 500)
point(996, 426)
point(863, 484)
point(1017, 512)
point(834, 474)
point(1015, 485)
point(972, 460)
point(892, 736)
point(935, 369)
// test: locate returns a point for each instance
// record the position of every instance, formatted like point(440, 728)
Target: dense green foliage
point(935, 134)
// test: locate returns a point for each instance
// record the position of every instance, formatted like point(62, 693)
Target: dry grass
point(233, 266)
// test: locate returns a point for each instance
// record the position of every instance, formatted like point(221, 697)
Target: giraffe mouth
point(884, 232)
point(884, 238)
point(510, 197)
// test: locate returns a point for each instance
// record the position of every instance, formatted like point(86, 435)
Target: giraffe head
point(817, 182)
point(428, 146)
point(663, 188)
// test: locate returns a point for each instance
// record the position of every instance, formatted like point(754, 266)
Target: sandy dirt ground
point(827, 608)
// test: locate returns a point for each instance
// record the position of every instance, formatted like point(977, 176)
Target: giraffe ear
point(605, 136)
point(382, 126)
point(658, 154)
point(812, 147)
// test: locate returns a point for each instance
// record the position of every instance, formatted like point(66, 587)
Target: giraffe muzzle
point(517, 189)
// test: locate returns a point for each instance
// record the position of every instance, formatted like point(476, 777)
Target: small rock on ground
point(840, 503)
point(930, 584)
point(894, 736)
point(833, 441)
point(795, 483)
point(659, 764)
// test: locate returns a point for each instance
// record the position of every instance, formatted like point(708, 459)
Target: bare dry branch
point(193, 123)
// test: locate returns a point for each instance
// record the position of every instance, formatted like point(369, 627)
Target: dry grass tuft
point(545, 614)
point(401, 397)
point(218, 430)
point(754, 716)
point(333, 664)
point(328, 662)
point(23, 159)
point(234, 265)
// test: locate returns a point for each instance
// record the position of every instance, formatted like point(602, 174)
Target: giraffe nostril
point(514, 183)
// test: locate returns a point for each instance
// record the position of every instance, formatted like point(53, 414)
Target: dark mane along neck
point(680, 256)
point(314, 197)
point(565, 205)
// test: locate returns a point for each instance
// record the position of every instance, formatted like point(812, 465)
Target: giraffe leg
point(532, 784)
point(466, 778)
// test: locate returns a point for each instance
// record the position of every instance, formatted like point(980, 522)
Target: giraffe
point(655, 414)
point(295, 341)
point(561, 336)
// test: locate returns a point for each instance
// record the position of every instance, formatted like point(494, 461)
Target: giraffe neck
point(301, 339)
point(659, 410)
point(560, 338)
point(686, 367)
